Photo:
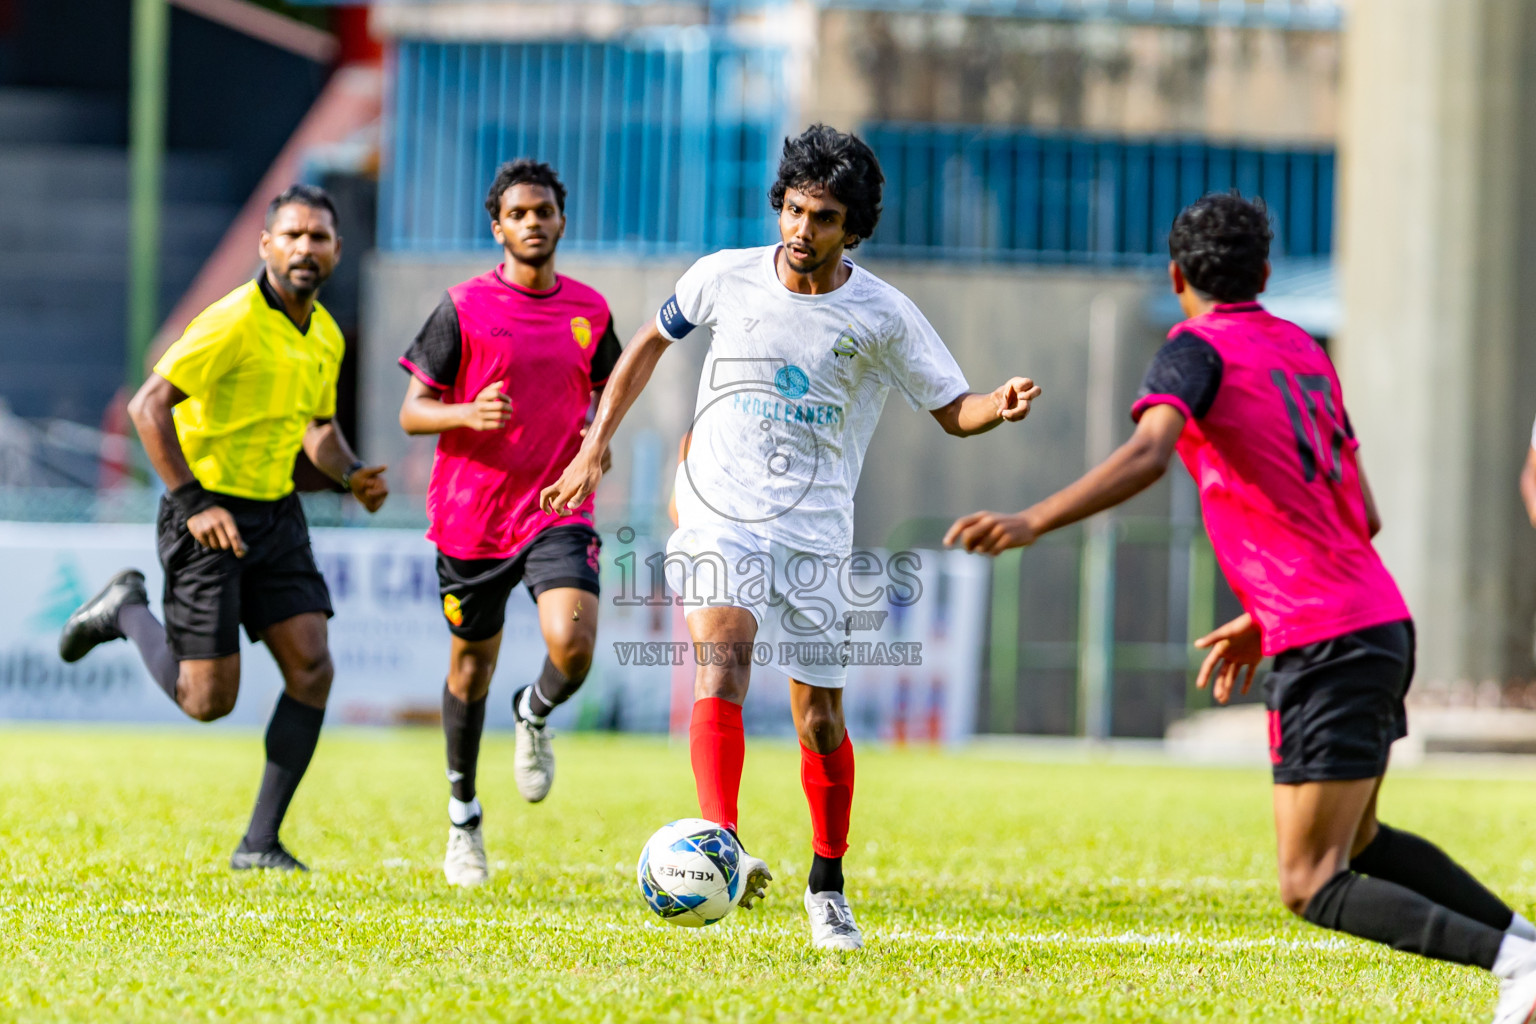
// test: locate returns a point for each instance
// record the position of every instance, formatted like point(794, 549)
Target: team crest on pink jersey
point(581, 330)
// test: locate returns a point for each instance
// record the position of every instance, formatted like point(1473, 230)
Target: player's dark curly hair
point(843, 164)
point(522, 172)
point(1221, 242)
point(312, 196)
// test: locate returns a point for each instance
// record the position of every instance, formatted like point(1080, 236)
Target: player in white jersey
point(806, 346)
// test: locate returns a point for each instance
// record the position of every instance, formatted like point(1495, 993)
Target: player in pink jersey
point(1253, 407)
point(505, 371)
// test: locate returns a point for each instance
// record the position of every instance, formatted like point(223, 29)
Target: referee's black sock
point(1420, 865)
point(463, 722)
point(550, 690)
point(139, 624)
point(1393, 915)
point(291, 738)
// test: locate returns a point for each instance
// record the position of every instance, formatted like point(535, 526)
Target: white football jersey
point(792, 389)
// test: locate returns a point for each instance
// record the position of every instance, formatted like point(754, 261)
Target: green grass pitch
point(989, 888)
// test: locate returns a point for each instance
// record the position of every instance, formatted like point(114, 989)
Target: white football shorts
point(794, 595)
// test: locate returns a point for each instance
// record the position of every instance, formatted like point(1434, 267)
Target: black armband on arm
point(190, 499)
point(673, 324)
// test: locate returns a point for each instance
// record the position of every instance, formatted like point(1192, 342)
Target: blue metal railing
point(1018, 195)
point(666, 143)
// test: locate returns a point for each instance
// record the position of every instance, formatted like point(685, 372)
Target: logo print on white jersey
point(745, 383)
point(847, 344)
point(747, 323)
point(791, 382)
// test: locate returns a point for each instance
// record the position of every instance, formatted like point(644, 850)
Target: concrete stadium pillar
point(1437, 243)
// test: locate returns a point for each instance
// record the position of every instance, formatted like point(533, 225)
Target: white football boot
point(533, 762)
point(832, 924)
point(465, 863)
point(1517, 994)
point(755, 877)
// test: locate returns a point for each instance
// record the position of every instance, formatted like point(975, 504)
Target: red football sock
point(718, 746)
point(828, 783)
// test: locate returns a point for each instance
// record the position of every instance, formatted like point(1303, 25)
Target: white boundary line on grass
point(1063, 938)
point(1148, 940)
point(1152, 940)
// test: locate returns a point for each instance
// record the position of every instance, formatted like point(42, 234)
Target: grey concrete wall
point(997, 321)
point(1440, 286)
point(947, 67)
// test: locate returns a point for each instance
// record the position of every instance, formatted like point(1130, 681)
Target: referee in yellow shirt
point(222, 419)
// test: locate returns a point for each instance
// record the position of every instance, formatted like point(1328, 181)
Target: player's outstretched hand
point(491, 409)
point(1013, 398)
point(575, 485)
point(215, 528)
point(1235, 650)
point(369, 487)
point(990, 533)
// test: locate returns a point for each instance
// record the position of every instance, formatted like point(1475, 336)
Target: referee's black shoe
point(95, 622)
point(277, 859)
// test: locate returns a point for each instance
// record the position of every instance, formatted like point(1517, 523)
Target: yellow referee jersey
point(253, 382)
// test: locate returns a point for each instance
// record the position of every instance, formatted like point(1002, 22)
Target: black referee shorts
point(210, 594)
point(475, 590)
point(1336, 706)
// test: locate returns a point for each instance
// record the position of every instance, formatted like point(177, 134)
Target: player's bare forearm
point(597, 399)
point(1528, 484)
point(424, 412)
point(151, 412)
point(973, 413)
point(968, 415)
point(1129, 470)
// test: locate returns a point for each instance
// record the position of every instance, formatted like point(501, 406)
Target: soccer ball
point(690, 872)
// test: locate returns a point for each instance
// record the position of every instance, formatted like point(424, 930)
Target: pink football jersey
point(548, 350)
point(1271, 450)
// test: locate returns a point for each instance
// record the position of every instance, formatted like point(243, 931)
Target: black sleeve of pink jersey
point(606, 356)
point(1185, 373)
point(433, 357)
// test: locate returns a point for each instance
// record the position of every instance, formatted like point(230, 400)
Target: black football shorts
point(475, 590)
point(210, 594)
point(1336, 706)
